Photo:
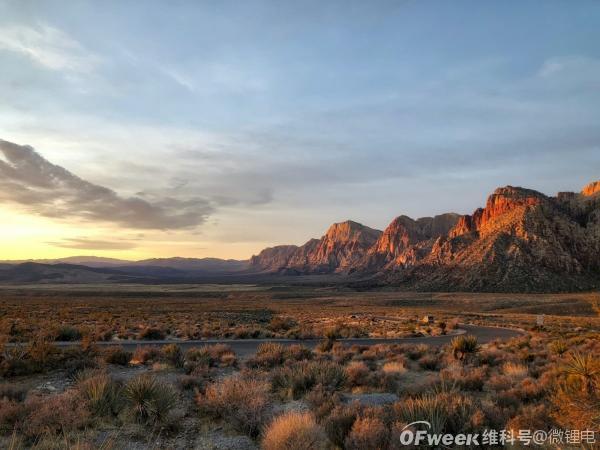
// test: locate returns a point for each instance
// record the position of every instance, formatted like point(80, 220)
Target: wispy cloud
point(42, 188)
point(49, 47)
point(93, 244)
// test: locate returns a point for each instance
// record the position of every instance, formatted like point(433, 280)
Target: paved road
point(247, 347)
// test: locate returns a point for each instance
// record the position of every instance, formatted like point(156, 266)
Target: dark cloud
point(93, 244)
point(43, 188)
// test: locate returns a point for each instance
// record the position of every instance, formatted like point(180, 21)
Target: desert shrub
point(117, 355)
point(294, 431)
point(295, 380)
point(148, 399)
point(151, 334)
point(243, 402)
point(67, 333)
point(367, 433)
point(12, 414)
point(429, 362)
point(102, 395)
point(357, 373)
point(394, 367)
point(298, 352)
point(173, 355)
point(559, 347)
point(191, 382)
point(515, 370)
point(339, 422)
point(55, 414)
point(531, 417)
point(217, 355)
point(145, 355)
point(12, 392)
point(281, 324)
point(416, 352)
point(573, 408)
point(472, 379)
point(325, 345)
point(431, 408)
point(461, 413)
point(586, 368)
point(268, 355)
point(464, 347)
point(321, 402)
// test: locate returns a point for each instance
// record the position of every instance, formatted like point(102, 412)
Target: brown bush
point(357, 373)
point(146, 355)
point(294, 431)
point(339, 423)
point(117, 355)
point(55, 414)
point(243, 402)
point(531, 417)
point(367, 434)
point(217, 355)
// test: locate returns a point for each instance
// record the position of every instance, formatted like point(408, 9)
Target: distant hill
point(204, 265)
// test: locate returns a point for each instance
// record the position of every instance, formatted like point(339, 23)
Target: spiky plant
point(584, 367)
point(464, 346)
point(150, 400)
point(429, 408)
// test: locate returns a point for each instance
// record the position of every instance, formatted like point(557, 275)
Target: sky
point(146, 129)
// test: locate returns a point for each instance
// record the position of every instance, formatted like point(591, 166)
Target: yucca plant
point(429, 408)
point(584, 367)
point(464, 346)
point(150, 400)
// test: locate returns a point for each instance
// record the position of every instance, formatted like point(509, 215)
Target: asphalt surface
point(247, 347)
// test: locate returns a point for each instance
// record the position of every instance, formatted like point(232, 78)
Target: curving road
point(247, 347)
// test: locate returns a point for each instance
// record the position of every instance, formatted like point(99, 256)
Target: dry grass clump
point(272, 354)
point(294, 431)
point(149, 400)
point(357, 373)
point(217, 355)
point(104, 397)
point(242, 401)
point(367, 433)
point(151, 334)
point(49, 415)
point(339, 422)
point(173, 355)
point(294, 380)
point(117, 355)
point(515, 370)
point(146, 355)
point(393, 368)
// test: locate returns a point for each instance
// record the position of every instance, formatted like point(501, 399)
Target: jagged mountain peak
point(591, 189)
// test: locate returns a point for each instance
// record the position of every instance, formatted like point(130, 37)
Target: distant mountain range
point(522, 241)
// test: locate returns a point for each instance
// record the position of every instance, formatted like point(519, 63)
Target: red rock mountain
point(522, 241)
point(337, 251)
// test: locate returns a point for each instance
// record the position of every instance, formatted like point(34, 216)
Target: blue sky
point(255, 123)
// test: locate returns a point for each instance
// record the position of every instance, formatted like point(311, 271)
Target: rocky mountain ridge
point(522, 240)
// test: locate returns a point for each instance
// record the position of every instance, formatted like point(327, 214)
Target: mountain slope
point(521, 241)
point(342, 246)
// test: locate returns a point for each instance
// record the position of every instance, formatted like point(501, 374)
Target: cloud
point(49, 47)
point(42, 188)
point(93, 244)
